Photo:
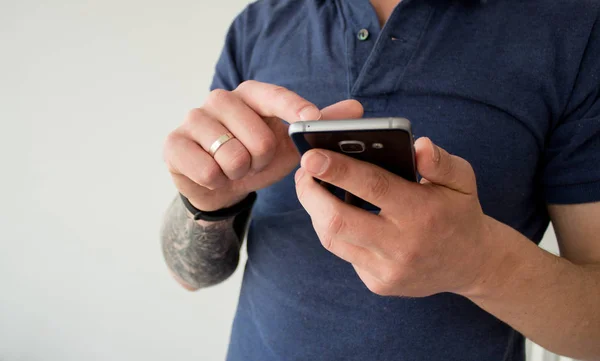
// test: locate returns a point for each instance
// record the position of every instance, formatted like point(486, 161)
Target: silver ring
point(219, 142)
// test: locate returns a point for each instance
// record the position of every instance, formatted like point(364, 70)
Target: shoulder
point(267, 16)
point(573, 5)
point(265, 23)
point(573, 14)
point(569, 29)
point(279, 7)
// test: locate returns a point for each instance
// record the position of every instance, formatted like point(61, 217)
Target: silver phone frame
point(351, 125)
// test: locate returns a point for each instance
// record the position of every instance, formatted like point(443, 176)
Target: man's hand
point(429, 238)
point(261, 152)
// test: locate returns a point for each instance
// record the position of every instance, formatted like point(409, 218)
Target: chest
point(482, 93)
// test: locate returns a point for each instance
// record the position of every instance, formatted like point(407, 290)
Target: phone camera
point(352, 146)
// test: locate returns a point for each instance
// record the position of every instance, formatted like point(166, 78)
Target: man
point(505, 96)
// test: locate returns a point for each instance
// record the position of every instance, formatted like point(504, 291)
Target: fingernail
point(436, 152)
point(315, 162)
point(298, 175)
point(310, 112)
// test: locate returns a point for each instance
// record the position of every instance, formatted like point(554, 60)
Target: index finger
point(270, 100)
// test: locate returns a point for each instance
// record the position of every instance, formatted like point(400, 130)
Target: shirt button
point(363, 34)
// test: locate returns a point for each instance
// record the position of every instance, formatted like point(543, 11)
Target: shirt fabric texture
point(511, 86)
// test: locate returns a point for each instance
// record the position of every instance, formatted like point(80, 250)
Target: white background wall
point(88, 91)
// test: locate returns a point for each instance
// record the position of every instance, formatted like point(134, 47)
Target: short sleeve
point(571, 167)
point(229, 71)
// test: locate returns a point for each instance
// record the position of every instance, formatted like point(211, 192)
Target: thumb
point(346, 109)
point(440, 167)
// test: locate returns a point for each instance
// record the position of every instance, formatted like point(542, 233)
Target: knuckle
point(194, 116)
point(380, 185)
point(471, 176)
point(217, 98)
point(208, 175)
point(411, 257)
point(240, 159)
point(327, 241)
point(467, 164)
point(170, 147)
point(300, 189)
point(335, 224)
point(390, 276)
point(246, 84)
point(325, 237)
point(280, 92)
point(378, 288)
point(450, 165)
point(170, 141)
point(428, 219)
point(289, 99)
point(265, 146)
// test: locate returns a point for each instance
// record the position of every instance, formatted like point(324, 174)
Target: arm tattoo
point(200, 253)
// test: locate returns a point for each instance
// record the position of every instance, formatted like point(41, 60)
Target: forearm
point(198, 253)
point(549, 299)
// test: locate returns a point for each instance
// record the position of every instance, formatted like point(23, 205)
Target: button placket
point(393, 49)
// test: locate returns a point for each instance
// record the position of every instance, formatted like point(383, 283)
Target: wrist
point(501, 260)
point(203, 223)
point(222, 214)
point(215, 202)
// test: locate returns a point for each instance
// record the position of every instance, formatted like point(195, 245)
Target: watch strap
point(220, 214)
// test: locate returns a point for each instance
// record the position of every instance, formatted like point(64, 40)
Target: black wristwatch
point(220, 214)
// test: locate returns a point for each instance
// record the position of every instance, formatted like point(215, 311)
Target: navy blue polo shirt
point(511, 86)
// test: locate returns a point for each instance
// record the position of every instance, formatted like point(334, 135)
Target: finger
point(335, 221)
point(356, 255)
point(364, 180)
point(184, 156)
point(191, 190)
point(346, 109)
point(202, 197)
point(441, 168)
point(349, 252)
point(270, 100)
point(232, 156)
point(244, 124)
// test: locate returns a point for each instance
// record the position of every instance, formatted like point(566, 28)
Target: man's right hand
point(261, 153)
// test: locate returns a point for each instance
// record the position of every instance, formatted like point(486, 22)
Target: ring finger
point(231, 156)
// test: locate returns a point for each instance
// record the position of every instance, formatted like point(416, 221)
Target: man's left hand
point(429, 237)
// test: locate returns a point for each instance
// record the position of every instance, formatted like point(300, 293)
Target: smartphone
point(385, 142)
